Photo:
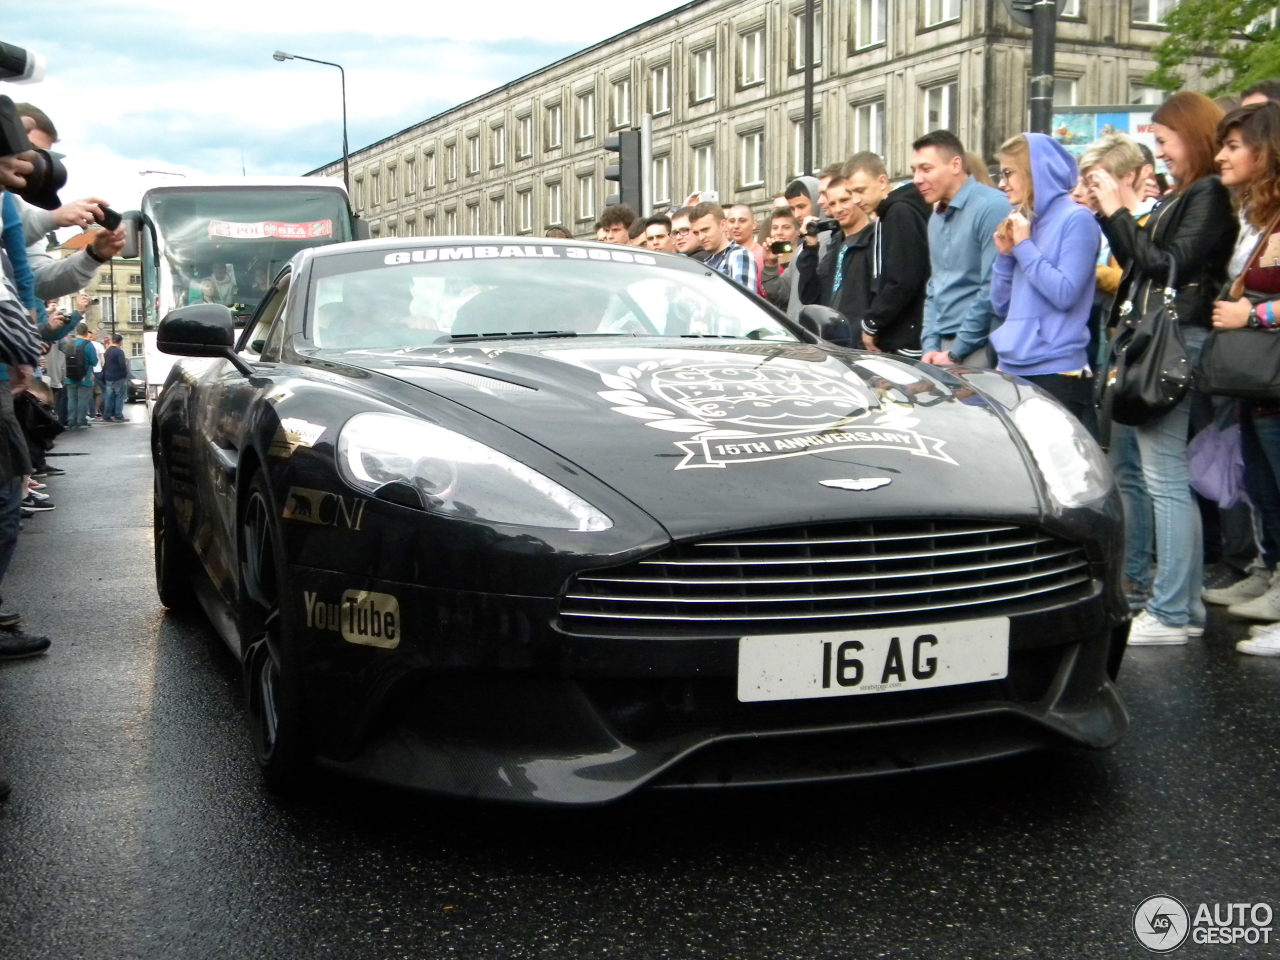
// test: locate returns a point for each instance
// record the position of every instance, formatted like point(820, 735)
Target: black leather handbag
point(1243, 363)
point(1148, 371)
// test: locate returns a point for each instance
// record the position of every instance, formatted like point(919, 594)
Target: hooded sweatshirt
point(899, 271)
point(1044, 288)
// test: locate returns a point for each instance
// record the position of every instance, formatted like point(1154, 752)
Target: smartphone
point(781, 246)
point(110, 219)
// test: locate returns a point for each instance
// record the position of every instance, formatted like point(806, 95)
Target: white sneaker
point(1264, 607)
point(1263, 629)
point(1147, 630)
point(1254, 585)
point(1267, 645)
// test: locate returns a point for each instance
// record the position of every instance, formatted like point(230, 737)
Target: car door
point(227, 408)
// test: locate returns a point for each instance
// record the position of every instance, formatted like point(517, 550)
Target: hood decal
point(746, 414)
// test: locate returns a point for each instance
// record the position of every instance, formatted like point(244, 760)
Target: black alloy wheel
point(273, 688)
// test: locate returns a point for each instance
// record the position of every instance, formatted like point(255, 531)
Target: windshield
point(225, 244)
point(407, 299)
point(138, 368)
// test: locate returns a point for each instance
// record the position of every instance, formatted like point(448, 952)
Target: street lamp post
point(282, 56)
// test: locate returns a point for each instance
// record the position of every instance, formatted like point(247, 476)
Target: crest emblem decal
point(860, 484)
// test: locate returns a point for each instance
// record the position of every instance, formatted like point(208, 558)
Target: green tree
point(1241, 32)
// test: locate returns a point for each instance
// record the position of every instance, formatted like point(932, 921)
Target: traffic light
point(627, 171)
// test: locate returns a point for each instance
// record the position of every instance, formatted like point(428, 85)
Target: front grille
point(829, 577)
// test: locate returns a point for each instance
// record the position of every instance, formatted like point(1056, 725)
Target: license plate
point(800, 666)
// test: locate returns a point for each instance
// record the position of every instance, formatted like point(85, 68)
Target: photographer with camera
point(57, 278)
point(20, 168)
point(839, 276)
point(779, 256)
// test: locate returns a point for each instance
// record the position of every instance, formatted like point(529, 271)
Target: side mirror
point(201, 330)
point(361, 228)
point(827, 324)
point(131, 220)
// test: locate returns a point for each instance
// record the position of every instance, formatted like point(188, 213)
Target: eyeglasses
point(681, 231)
point(1006, 174)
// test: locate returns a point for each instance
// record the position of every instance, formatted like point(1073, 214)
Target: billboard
point(1077, 127)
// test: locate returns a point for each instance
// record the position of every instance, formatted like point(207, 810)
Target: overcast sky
point(191, 88)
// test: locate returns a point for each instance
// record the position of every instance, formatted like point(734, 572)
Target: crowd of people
point(1032, 272)
point(47, 356)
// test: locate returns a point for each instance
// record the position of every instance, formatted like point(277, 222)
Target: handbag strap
point(1237, 285)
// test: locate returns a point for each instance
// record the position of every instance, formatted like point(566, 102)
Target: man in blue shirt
point(957, 311)
point(729, 258)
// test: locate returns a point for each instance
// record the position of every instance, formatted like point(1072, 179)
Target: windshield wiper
point(511, 335)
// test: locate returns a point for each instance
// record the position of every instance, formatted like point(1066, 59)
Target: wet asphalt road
point(138, 828)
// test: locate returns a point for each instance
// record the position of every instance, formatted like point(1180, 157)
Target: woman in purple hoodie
point(1042, 283)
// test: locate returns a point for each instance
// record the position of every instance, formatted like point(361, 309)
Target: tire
point(272, 681)
point(174, 561)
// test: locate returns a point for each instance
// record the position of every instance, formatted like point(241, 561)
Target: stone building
point(117, 288)
point(723, 81)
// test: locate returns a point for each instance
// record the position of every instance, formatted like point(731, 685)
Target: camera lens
point(44, 182)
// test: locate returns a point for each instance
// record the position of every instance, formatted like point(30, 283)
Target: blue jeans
point(79, 397)
point(1162, 451)
point(113, 399)
point(1138, 528)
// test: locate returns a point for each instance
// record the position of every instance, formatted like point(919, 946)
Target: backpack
point(77, 369)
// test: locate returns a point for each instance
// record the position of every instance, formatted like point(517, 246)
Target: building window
point(429, 170)
point(524, 210)
point(555, 126)
point(392, 229)
point(375, 194)
point(797, 147)
point(872, 17)
point(498, 145)
point(751, 159)
point(410, 177)
point(660, 180)
point(391, 181)
point(107, 311)
point(1071, 9)
point(751, 58)
point(585, 119)
point(586, 197)
point(1151, 11)
point(429, 225)
point(451, 222)
point(498, 214)
point(704, 167)
point(1065, 91)
point(524, 136)
point(473, 154)
point(704, 74)
point(798, 39)
point(941, 106)
point(868, 127)
point(555, 204)
point(620, 103)
point(135, 279)
point(357, 194)
point(450, 162)
point(660, 89)
point(473, 219)
point(1143, 93)
point(135, 310)
point(940, 11)
point(136, 348)
point(410, 225)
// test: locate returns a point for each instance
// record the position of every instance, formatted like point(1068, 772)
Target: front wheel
point(175, 564)
point(273, 687)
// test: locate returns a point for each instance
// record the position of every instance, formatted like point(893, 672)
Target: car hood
point(720, 435)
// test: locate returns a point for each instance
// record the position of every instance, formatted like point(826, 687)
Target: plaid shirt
point(736, 263)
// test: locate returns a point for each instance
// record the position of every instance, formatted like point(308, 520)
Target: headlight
point(1070, 461)
point(456, 476)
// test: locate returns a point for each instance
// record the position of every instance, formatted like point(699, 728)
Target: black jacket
point(886, 270)
point(1195, 226)
point(899, 271)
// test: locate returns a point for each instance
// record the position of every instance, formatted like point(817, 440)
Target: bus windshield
point(225, 244)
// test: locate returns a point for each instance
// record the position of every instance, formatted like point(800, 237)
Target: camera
point(821, 226)
point(782, 246)
point(48, 176)
point(20, 66)
point(110, 218)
